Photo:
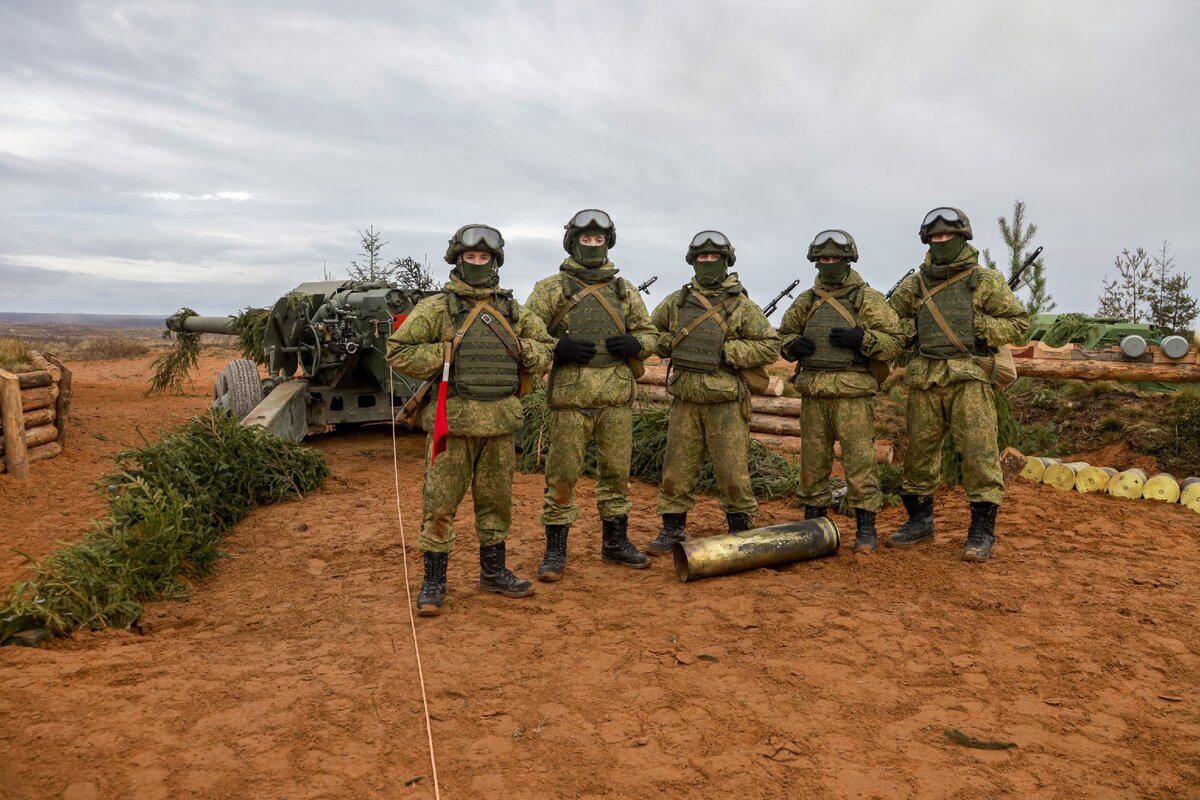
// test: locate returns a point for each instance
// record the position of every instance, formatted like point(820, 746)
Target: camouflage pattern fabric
point(851, 421)
point(966, 409)
point(883, 340)
point(483, 464)
point(570, 430)
point(750, 341)
point(954, 394)
point(717, 430)
point(416, 349)
point(582, 386)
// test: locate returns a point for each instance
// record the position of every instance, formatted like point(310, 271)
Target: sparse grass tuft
point(105, 348)
point(14, 356)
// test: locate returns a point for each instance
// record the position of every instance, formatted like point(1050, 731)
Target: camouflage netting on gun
point(171, 368)
point(1068, 328)
point(168, 504)
point(771, 475)
point(251, 327)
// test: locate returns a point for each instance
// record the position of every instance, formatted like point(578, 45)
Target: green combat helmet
point(945, 220)
point(475, 237)
point(592, 218)
point(835, 243)
point(710, 242)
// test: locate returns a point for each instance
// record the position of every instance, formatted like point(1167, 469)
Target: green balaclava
point(709, 274)
point(590, 255)
point(834, 274)
point(943, 253)
point(478, 275)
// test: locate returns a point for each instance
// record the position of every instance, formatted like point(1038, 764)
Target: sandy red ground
point(290, 674)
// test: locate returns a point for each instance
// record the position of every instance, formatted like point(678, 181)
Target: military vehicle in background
point(1133, 339)
point(324, 347)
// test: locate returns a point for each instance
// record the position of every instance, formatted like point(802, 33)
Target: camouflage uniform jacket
point(1000, 319)
point(417, 347)
point(750, 341)
point(882, 341)
point(582, 386)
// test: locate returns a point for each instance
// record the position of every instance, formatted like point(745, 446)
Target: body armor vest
point(957, 304)
point(700, 350)
point(818, 327)
point(588, 319)
point(483, 367)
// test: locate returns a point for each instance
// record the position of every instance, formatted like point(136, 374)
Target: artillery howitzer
point(324, 347)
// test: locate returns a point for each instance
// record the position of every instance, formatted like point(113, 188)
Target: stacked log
point(34, 407)
point(774, 421)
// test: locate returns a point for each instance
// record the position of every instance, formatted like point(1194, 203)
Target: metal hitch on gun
point(773, 546)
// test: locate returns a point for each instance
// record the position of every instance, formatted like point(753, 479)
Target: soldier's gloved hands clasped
point(574, 351)
point(624, 345)
point(846, 337)
point(801, 346)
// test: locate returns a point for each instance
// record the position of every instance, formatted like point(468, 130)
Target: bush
point(168, 504)
point(105, 348)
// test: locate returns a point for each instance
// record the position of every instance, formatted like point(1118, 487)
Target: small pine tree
point(1017, 238)
point(1127, 294)
point(412, 274)
point(1170, 304)
point(374, 269)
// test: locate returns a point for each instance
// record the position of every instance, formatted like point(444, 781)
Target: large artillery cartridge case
point(773, 546)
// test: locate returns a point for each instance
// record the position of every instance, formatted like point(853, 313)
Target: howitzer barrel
point(773, 546)
point(202, 324)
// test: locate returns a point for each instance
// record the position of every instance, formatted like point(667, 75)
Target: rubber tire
point(245, 386)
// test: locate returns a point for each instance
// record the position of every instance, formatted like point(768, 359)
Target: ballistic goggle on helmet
point(833, 242)
point(945, 220)
point(589, 218)
point(476, 237)
point(710, 242)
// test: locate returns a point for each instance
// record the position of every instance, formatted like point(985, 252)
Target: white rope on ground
point(437, 792)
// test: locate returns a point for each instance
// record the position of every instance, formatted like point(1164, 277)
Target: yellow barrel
point(1162, 487)
point(1189, 494)
point(1129, 483)
point(1062, 476)
point(1035, 467)
point(1094, 479)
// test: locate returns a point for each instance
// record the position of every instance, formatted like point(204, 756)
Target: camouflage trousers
point(967, 412)
point(570, 431)
point(720, 431)
point(850, 420)
point(483, 464)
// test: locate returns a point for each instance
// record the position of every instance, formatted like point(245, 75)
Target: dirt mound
point(290, 674)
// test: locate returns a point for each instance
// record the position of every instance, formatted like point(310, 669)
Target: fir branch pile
point(172, 366)
point(168, 504)
point(771, 475)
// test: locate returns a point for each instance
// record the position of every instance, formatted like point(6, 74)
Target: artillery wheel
point(244, 386)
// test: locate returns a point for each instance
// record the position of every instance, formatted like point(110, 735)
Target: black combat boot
point(864, 531)
point(737, 522)
point(495, 577)
point(433, 588)
point(919, 527)
point(982, 533)
point(555, 560)
point(616, 547)
point(812, 512)
point(672, 533)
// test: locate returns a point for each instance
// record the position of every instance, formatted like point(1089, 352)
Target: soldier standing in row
point(602, 329)
point(842, 333)
point(478, 334)
point(955, 314)
point(709, 330)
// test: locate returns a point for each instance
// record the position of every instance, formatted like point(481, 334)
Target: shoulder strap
point(580, 296)
point(935, 312)
point(831, 298)
point(710, 312)
point(927, 293)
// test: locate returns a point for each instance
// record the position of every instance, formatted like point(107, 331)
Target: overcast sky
point(157, 154)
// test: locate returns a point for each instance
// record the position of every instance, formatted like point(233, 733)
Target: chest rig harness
point(485, 350)
point(829, 310)
point(703, 325)
point(593, 311)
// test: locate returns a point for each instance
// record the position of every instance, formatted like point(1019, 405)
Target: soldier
point(840, 331)
point(956, 314)
point(709, 329)
point(602, 327)
point(481, 331)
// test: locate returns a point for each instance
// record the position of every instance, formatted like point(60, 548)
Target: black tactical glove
point(625, 346)
point(574, 351)
point(801, 346)
point(846, 337)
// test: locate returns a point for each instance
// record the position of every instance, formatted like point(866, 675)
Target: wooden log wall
point(34, 408)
